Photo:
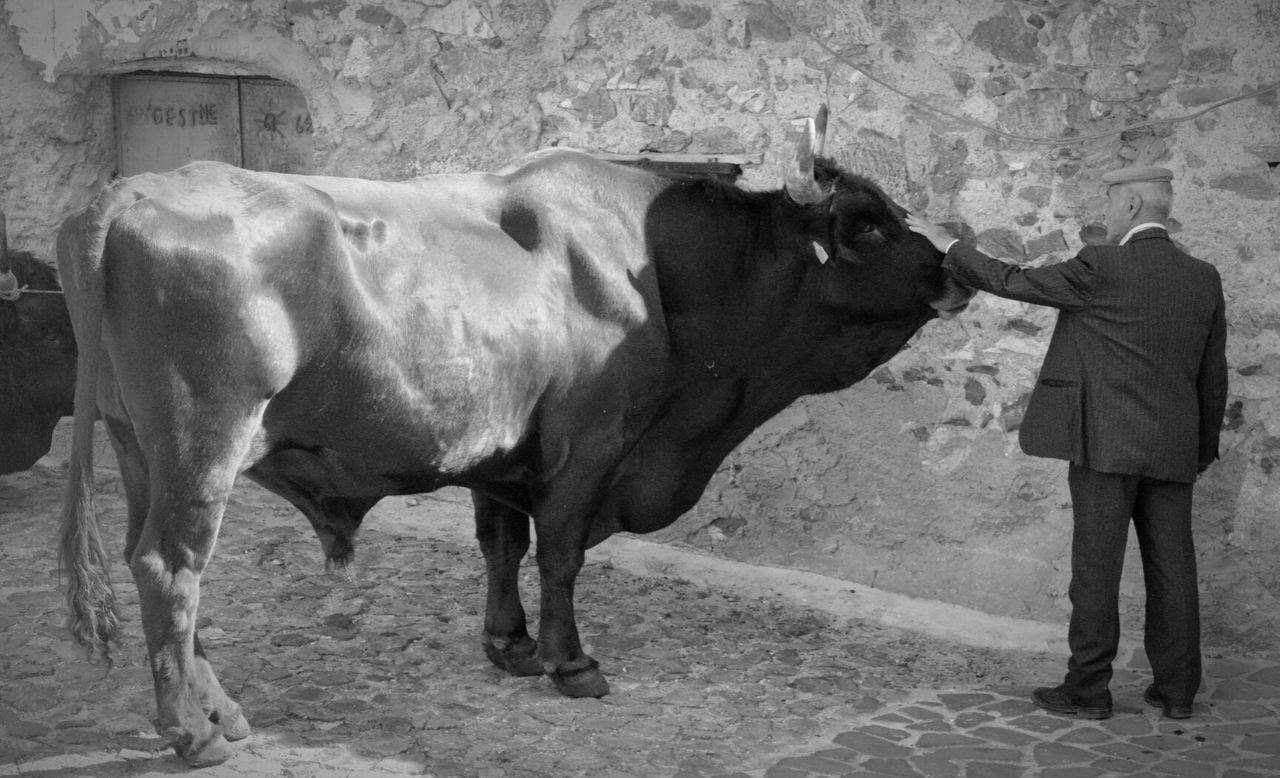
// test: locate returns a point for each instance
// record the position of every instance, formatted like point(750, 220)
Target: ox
point(577, 343)
point(37, 358)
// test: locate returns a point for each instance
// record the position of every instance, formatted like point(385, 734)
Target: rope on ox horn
point(1059, 141)
point(21, 290)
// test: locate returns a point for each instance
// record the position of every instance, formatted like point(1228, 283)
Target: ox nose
point(955, 298)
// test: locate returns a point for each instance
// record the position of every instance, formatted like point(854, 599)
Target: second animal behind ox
point(37, 357)
point(578, 343)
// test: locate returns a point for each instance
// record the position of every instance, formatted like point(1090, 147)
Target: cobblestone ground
point(998, 733)
point(383, 674)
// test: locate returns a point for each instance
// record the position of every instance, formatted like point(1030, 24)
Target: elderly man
point(1131, 393)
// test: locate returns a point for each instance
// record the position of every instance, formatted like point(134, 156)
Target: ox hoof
point(212, 751)
point(585, 681)
point(518, 657)
point(235, 728)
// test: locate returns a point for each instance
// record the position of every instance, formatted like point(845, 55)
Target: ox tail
point(91, 601)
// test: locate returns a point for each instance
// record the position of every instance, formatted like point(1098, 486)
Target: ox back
point(578, 343)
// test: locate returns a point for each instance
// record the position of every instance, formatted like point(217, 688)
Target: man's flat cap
point(1127, 175)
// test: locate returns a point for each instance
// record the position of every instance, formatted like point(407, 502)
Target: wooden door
point(275, 126)
point(165, 120)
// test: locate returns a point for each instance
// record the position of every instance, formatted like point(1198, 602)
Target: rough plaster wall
point(46, 136)
point(912, 480)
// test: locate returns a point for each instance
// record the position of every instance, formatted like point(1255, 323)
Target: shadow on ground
point(384, 672)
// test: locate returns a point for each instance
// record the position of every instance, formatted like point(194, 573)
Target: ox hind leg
point(503, 533)
point(218, 706)
point(186, 490)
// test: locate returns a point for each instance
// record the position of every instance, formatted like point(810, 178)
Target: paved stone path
point(382, 675)
point(998, 733)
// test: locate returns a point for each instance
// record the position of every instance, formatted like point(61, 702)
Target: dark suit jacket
point(1135, 378)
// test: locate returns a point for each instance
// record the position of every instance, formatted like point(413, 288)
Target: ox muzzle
point(955, 298)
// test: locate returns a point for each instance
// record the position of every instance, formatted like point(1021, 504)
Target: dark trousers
point(1161, 512)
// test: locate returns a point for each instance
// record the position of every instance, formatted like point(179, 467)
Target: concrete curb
point(452, 520)
point(840, 598)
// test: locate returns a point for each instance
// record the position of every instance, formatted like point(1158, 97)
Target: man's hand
point(938, 236)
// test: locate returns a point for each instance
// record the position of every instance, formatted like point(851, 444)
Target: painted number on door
point(276, 126)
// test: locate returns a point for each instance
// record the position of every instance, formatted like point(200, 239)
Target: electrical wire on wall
point(1058, 141)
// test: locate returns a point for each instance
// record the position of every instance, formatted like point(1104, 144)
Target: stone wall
point(912, 480)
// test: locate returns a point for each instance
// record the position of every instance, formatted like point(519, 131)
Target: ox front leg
point(503, 533)
point(561, 552)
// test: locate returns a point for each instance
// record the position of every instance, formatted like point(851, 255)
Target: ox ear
point(820, 253)
point(802, 187)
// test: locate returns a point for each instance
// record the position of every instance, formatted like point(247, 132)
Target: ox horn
point(8, 281)
point(802, 187)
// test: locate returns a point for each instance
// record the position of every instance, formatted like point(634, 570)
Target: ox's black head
point(874, 267)
point(37, 363)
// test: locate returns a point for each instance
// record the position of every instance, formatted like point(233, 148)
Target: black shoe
point(1059, 700)
point(1155, 699)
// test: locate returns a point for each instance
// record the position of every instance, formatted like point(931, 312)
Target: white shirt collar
point(1140, 228)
